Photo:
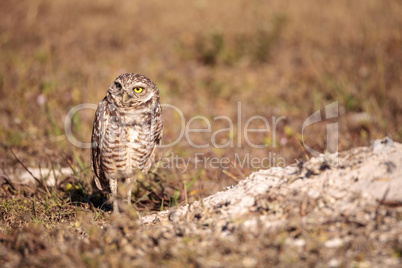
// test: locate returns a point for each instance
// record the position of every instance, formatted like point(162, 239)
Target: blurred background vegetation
point(278, 58)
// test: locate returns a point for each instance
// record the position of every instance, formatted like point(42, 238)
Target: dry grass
point(277, 58)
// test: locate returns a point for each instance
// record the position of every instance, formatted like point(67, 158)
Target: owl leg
point(128, 188)
point(113, 189)
point(129, 182)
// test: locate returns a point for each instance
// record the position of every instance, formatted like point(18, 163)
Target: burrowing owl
point(127, 129)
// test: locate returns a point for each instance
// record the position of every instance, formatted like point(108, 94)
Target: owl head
point(131, 90)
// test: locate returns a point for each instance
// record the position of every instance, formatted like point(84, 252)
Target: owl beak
point(125, 96)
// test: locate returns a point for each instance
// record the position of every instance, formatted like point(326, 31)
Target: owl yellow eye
point(138, 89)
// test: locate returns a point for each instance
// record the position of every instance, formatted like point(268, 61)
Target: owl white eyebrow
point(139, 85)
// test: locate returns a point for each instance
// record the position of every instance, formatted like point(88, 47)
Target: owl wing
point(157, 138)
point(101, 121)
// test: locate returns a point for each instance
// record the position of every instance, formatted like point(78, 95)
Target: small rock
point(333, 263)
point(382, 146)
point(334, 243)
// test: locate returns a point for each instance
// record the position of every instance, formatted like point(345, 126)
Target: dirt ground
point(337, 210)
point(278, 62)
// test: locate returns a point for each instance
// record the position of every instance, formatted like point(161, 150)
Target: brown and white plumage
point(127, 128)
